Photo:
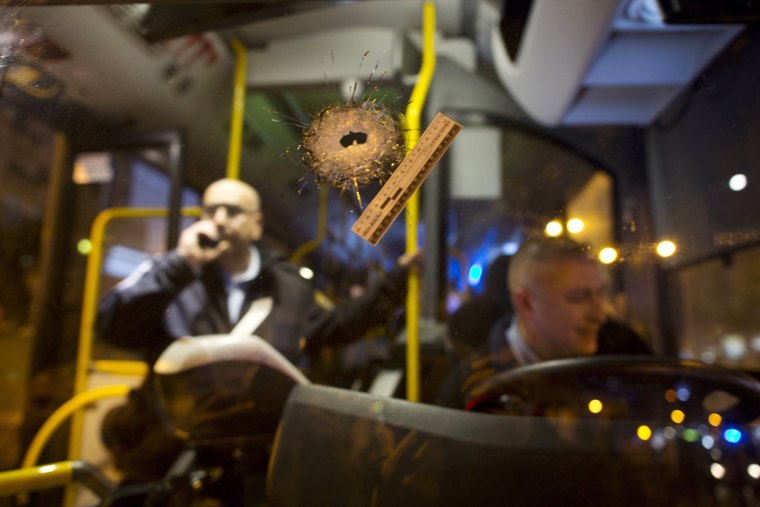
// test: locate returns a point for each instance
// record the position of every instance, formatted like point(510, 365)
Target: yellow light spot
point(84, 246)
point(575, 225)
point(608, 255)
point(714, 419)
point(671, 395)
point(595, 406)
point(644, 432)
point(677, 416)
point(553, 228)
point(666, 248)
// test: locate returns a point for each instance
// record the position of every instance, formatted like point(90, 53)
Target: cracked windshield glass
point(379, 253)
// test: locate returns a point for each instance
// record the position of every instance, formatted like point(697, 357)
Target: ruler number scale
point(380, 213)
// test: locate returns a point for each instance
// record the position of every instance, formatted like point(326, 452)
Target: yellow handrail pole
point(313, 243)
point(25, 480)
point(119, 367)
point(238, 107)
point(413, 115)
point(53, 422)
point(89, 301)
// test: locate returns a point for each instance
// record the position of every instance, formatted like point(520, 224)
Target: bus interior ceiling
point(615, 121)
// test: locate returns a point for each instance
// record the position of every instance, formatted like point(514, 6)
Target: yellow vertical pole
point(238, 107)
point(413, 115)
point(89, 315)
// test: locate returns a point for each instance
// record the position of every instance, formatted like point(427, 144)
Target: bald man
point(219, 268)
point(206, 285)
point(231, 222)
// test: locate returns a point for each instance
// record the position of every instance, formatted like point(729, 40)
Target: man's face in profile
point(566, 308)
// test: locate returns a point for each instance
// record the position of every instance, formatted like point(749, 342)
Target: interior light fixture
point(608, 255)
point(665, 248)
point(575, 225)
point(553, 228)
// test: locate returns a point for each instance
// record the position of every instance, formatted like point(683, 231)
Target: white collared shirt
point(234, 285)
point(523, 353)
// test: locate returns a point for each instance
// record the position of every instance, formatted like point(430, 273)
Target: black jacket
point(496, 356)
point(170, 300)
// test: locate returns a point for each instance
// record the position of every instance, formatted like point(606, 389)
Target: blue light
point(509, 248)
point(732, 435)
point(476, 271)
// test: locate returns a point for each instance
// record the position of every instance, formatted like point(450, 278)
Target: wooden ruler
point(379, 215)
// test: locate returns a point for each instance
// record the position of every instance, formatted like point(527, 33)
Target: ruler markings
point(377, 218)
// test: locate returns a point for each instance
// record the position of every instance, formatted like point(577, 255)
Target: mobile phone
point(206, 242)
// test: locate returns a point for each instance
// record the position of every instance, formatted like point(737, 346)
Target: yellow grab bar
point(22, 481)
point(134, 368)
point(55, 420)
point(413, 115)
point(238, 107)
point(90, 297)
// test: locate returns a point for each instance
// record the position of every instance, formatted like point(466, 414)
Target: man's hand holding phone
point(200, 243)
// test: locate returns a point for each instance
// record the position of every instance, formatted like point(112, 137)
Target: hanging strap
point(253, 318)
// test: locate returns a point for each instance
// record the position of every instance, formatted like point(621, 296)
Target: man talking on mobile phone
point(218, 271)
point(219, 268)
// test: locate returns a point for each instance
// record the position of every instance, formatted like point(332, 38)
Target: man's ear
point(257, 226)
point(522, 301)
